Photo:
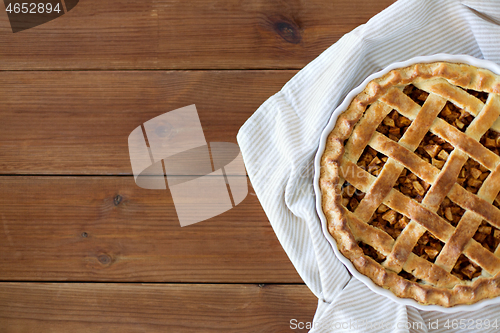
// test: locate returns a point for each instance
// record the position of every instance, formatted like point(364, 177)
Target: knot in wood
point(288, 30)
point(104, 259)
point(117, 200)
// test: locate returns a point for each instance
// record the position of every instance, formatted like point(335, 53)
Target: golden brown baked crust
point(409, 188)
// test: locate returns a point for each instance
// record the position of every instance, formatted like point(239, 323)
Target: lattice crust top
point(410, 177)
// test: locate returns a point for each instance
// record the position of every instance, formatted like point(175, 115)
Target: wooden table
point(82, 248)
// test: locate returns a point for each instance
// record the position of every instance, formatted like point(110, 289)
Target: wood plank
point(175, 34)
point(127, 308)
point(79, 122)
point(77, 229)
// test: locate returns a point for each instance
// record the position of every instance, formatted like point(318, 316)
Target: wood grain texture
point(109, 229)
point(175, 34)
point(126, 308)
point(78, 122)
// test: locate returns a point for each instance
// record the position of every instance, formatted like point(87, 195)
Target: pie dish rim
point(442, 57)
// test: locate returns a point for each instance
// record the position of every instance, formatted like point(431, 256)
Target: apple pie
point(410, 178)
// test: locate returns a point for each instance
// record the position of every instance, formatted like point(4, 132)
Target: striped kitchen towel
point(279, 143)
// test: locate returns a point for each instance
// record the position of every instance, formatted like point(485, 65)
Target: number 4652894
point(470, 324)
point(32, 8)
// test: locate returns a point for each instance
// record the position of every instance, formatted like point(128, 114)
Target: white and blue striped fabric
point(280, 140)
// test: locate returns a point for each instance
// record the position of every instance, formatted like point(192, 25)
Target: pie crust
point(409, 181)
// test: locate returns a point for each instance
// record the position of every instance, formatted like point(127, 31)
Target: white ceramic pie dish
point(493, 67)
